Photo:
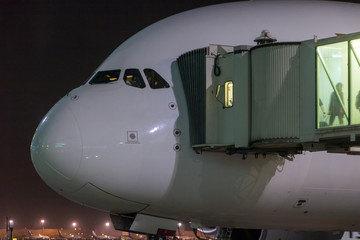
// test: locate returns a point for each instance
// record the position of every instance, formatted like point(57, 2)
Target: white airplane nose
point(56, 149)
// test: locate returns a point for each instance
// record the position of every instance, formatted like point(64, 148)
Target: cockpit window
point(105, 77)
point(132, 77)
point(154, 79)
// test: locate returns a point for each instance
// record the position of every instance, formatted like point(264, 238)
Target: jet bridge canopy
point(277, 97)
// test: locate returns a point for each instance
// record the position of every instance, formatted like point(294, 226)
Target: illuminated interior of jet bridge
point(275, 97)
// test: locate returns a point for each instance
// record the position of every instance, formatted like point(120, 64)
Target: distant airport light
point(107, 224)
point(74, 224)
point(179, 226)
point(42, 221)
point(11, 226)
point(11, 223)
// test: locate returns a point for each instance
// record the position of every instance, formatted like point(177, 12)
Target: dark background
point(48, 48)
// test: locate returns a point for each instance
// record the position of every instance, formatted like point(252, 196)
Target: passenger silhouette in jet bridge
point(335, 107)
point(357, 103)
point(322, 121)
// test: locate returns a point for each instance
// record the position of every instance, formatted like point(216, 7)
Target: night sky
point(48, 48)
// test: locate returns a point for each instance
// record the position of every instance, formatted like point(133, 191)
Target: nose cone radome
point(56, 149)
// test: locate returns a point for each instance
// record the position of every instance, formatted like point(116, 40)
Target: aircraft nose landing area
point(56, 148)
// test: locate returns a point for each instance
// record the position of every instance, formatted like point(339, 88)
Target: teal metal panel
point(275, 92)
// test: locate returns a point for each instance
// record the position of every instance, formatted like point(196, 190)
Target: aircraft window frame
point(155, 80)
point(106, 76)
point(132, 77)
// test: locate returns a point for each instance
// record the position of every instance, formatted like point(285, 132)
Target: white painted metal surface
point(209, 188)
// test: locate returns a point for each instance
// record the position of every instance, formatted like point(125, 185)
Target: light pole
point(179, 225)
point(42, 221)
point(11, 226)
point(107, 225)
point(74, 224)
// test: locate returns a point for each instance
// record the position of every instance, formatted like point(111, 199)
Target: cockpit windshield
point(132, 77)
point(102, 77)
point(154, 79)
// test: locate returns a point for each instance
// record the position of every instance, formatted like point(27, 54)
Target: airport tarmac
point(53, 233)
point(23, 233)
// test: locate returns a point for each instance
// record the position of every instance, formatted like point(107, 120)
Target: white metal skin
point(82, 148)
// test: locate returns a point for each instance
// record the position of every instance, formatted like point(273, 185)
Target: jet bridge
point(275, 97)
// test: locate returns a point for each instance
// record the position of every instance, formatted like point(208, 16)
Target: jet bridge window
point(225, 94)
point(132, 77)
point(332, 75)
point(355, 81)
point(102, 77)
point(229, 94)
point(338, 84)
point(155, 80)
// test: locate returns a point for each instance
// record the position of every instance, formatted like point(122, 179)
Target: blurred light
point(74, 224)
point(42, 221)
point(107, 224)
point(11, 223)
point(355, 149)
point(179, 224)
point(154, 129)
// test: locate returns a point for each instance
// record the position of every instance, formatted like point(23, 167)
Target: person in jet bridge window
point(335, 106)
